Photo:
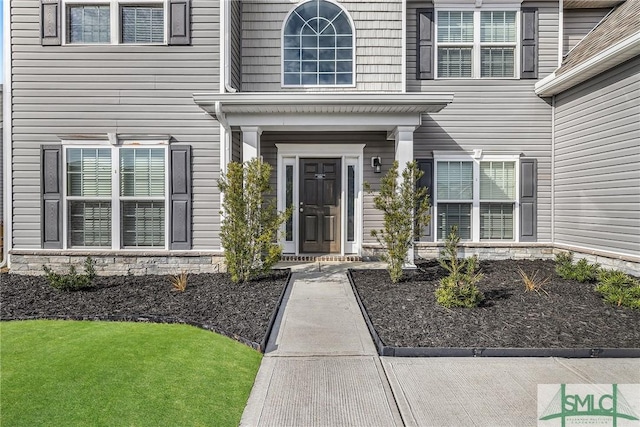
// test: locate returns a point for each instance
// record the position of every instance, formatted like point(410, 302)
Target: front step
point(321, 258)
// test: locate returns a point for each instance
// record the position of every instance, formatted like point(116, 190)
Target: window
point(142, 24)
point(483, 211)
point(121, 209)
point(114, 22)
point(89, 24)
point(318, 46)
point(473, 44)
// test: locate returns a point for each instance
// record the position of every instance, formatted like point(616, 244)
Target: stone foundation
point(135, 263)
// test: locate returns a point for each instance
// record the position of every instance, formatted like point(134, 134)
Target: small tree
point(406, 213)
point(458, 289)
point(250, 226)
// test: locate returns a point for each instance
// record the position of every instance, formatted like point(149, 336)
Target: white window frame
point(351, 155)
point(353, 50)
point(115, 20)
point(116, 199)
point(476, 158)
point(477, 45)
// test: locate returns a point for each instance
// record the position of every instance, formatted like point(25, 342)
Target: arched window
point(317, 46)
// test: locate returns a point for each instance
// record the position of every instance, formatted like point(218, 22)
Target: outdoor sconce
point(376, 165)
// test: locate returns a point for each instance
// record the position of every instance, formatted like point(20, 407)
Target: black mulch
point(572, 315)
point(212, 301)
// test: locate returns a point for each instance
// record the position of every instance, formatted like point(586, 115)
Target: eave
point(605, 60)
point(307, 109)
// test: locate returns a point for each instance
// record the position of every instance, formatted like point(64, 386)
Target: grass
point(63, 373)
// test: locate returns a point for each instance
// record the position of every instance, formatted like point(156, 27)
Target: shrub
point(619, 288)
point(179, 281)
point(250, 224)
point(581, 271)
point(533, 282)
point(72, 281)
point(459, 288)
point(406, 212)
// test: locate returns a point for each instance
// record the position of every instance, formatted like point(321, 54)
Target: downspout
point(560, 32)
point(7, 143)
point(404, 46)
point(553, 170)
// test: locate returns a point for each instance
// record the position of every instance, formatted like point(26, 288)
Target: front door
point(320, 205)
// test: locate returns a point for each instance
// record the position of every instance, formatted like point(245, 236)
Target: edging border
point(392, 351)
point(142, 318)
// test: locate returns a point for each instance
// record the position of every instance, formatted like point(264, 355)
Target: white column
point(250, 142)
point(403, 137)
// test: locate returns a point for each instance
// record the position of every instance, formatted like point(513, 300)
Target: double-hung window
point(477, 43)
point(113, 22)
point(116, 197)
point(477, 196)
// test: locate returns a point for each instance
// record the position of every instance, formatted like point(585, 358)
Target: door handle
point(301, 209)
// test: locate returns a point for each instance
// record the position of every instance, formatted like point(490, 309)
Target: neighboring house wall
point(577, 23)
point(496, 115)
point(597, 162)
point(235, 35)
point(378, 27)
point(1, 174)
point(126, 89)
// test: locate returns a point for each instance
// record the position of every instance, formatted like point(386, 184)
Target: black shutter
point(180, 197)
point(426, 180)
point(50, 23)
point(528, 200)
point(424, 44)
point(51, 189)
point(529, 52)
point(180, 22)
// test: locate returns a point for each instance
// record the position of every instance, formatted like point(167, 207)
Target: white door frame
point(351, 155)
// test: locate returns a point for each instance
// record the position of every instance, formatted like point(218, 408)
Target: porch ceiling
point(342, 109)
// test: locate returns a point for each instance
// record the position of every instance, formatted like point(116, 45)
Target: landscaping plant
point(406, 212)
point(72, 281)
point(250, 222)
point(619, 288)
point(458, 289)
point(179, 281)
point(533, 282)
point(581, 271)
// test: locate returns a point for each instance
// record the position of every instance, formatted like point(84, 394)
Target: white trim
point(353, 49)
point(605, 60)
point(404, 46)
point(350, 154)
point(7, 136)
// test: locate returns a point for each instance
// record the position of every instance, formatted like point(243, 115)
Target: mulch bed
point(211, 301)
point(572, 315)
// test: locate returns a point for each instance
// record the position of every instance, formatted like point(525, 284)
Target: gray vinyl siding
point(597, 170)
point(1, 161)
point(235, 34)
point(62, 90)
point(378, 26)
point(578, 23)
point(495, 115)
point(376, 145)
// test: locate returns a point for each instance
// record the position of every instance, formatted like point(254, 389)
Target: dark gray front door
point(320, 205)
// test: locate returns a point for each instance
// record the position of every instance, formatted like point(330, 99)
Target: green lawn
point(63, 373)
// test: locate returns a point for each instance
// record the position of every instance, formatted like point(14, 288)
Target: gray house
point(123, 115)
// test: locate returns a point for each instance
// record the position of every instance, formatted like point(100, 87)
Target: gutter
point(334, 98)
point(616, 54)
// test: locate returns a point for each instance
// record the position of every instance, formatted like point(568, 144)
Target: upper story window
point(318, 46)
point(112, 22)
point(476, 44)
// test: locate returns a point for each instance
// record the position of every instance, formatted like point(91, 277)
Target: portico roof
point(341, 109)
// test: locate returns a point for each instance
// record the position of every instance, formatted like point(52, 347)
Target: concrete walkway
point(321, 369)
